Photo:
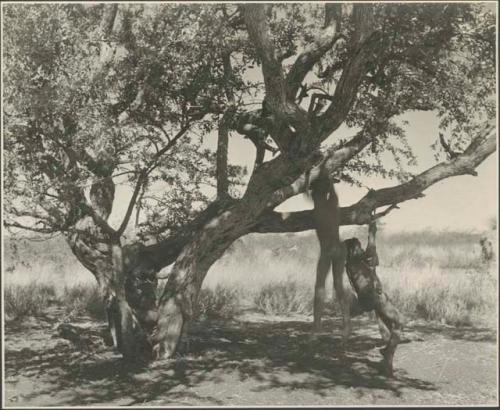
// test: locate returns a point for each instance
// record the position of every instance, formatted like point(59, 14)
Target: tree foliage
point(115, 99)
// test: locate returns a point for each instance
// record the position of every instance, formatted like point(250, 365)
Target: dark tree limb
point(331, 161)
point(221, 160)
point(223, 132)
point(276, 100)
point(363, 44)
point(138, 186)
point(260, 34)
point(314, 51)
point(108, 19)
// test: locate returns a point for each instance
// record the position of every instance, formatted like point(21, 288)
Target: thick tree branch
point(260, 34)
point(314, 51)
point(362, 45)
point(110, 22)
point(166, 252)
point(99, 221)
point(360, 213)
point(108, 19)
point(276, 99)
point(331, 161)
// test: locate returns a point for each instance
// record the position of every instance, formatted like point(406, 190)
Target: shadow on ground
point(264, 356)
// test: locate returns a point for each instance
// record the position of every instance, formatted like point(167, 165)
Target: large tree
point(105, 94)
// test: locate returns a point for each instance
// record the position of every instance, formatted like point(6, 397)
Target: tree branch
point(384, 212)
point(360, 213)
point(99, 221)
point(30, 228)
point(153, 163)
point(362, 44)
point(260, 34)
point(451, 154)
point(166, 252)
point(141, 179)
point(331, 161)
point(314, 51)
point(276, 91)
point(223, 132)
point(221, 166)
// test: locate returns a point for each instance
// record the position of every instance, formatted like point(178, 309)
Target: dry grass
point(451, 296)
point(30, 300)
point(284, 298)
point(434, 276)
point(83, 299)
point(220, 303)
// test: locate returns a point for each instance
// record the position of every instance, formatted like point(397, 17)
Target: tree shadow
point(466, 333)
point(269, 355)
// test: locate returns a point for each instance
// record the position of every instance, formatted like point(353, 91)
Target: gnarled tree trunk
point(178, 301)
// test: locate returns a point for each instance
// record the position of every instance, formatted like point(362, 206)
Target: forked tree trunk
point(126, 284)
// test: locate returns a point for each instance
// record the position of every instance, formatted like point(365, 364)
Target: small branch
point(451, 154)
point(140, 181)
point(30, 228)
point(99, 221)
point(385, 212)
point(153, 163)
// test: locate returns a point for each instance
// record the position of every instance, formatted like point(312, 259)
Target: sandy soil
point(256, 360)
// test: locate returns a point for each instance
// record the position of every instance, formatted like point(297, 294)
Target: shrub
point(219, 303)
point(28, 300)
point(284, 298)
point(83, 299)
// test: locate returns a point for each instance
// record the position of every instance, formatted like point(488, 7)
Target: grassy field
point(436, 276)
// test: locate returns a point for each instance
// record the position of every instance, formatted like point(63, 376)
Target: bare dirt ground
point(255, 360)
